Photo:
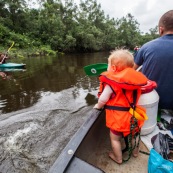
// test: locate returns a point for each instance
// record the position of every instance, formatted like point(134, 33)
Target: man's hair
point(122, 58)
point(166, 21)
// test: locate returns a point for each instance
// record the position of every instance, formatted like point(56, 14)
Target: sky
point(146, 12)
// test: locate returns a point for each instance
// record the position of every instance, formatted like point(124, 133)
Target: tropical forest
point(62, 26)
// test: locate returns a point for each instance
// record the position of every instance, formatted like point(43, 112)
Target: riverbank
point(32, 51)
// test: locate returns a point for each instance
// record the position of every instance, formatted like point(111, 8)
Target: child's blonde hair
point(121, 58)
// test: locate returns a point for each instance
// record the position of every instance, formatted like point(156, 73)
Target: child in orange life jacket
point(116, 94)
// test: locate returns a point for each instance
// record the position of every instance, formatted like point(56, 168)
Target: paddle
point(95, 69)
point(5, 55)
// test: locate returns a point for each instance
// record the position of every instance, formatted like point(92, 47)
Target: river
point(41, 107)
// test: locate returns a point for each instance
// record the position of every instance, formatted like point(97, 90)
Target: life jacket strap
point(117, 108)
point(133, 104)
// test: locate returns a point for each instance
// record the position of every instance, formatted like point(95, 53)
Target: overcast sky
point(146, 12)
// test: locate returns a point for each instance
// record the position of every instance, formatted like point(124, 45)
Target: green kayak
point(12, 65)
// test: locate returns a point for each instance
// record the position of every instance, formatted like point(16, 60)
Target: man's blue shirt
point(156, 58)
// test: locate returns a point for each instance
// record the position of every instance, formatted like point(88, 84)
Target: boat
point(87, 151)
point(12, 65)
point(12, 69)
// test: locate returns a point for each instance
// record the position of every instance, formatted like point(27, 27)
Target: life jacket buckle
point(139, 113)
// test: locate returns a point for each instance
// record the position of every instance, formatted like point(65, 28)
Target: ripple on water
point(13, 141)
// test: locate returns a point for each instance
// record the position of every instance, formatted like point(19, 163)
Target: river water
point(41, 107)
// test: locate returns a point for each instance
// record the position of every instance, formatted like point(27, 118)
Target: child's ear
point(114, 68)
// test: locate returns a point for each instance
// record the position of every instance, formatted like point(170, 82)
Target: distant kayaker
point(120, 89)
point(156, 58)
point(3, 57)
point(136, 49)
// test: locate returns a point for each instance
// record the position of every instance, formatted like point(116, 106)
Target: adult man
point(156, 58)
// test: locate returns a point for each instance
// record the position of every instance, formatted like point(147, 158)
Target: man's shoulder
point(156, 40)
point(150, 44)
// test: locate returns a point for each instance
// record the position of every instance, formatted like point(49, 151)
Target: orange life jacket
point(126, 86)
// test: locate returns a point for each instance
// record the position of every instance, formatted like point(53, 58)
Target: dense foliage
point(63, 26)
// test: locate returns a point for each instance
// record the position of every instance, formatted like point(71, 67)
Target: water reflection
point(46, 74)
point(42, 108)
point(2, 74)
point(5, 75)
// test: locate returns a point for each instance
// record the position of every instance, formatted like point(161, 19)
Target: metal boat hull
point(88, 149)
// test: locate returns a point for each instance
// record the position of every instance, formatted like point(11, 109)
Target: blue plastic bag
point(157, 164)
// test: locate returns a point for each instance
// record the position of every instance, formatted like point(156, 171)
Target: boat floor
point(96, 146)
point(101, 160)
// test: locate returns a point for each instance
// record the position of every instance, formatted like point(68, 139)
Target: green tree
point(110, 34)
point(14, 14)
point(89, 35)
point(51, 26)
point(153, 34)
point(64, 26)
point(69, 20)
point(128, 32)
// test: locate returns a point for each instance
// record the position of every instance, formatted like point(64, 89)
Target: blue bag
point(157, 164)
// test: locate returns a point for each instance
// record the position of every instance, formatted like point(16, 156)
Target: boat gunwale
point(62, 162)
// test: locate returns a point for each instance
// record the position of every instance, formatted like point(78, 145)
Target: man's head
point(166, 23)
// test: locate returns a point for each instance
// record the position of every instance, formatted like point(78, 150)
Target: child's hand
point(96, 106)
point(99, 105)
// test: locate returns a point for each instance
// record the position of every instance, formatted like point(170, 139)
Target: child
point(120, 90)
